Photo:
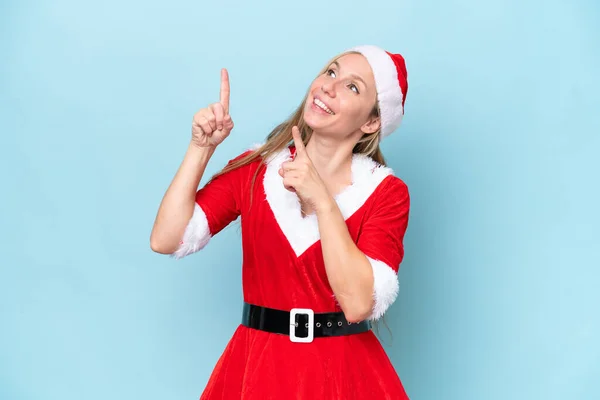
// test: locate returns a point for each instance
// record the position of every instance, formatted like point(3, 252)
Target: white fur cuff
point(196, 236)
point(385, 288)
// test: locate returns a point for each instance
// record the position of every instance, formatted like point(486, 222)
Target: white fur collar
point(301, 232)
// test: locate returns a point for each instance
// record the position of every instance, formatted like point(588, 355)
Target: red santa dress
point(283, 268)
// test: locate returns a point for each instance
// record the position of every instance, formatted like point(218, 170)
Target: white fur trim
point(389, 92)
point(385, 288)
point(196, 235)
point(301, 232)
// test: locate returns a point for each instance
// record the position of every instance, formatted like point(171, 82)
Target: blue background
point(500, 148)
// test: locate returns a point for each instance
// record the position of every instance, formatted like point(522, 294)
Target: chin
point(315, 121)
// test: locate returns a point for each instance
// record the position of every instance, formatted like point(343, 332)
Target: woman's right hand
point(213, 124)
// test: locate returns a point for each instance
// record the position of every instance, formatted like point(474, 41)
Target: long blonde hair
point(281, 137)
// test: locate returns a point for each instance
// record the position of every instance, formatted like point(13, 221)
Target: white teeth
point(322, 106)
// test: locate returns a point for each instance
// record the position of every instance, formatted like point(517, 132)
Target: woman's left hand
point(301, 177)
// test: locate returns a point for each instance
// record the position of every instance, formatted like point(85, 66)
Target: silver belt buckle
point(311, 325)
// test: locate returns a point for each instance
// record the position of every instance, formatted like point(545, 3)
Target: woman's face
point(340, 100)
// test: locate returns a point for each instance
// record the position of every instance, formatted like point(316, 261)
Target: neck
point(332, 159)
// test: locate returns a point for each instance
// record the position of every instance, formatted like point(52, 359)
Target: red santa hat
point(391, 82)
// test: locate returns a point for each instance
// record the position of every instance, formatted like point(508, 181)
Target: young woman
point(323, 221)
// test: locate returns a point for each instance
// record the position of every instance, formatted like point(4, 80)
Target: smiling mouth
point(322, 106)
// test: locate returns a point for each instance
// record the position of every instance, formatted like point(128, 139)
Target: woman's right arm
point(177, 205)
point(210, 127)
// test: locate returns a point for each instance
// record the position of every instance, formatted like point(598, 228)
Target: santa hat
point(391, 82)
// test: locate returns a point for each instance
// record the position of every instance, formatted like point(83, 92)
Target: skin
point(319, 171)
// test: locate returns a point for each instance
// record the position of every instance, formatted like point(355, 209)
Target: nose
point(329, 89)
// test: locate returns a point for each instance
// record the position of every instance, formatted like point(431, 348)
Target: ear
point(371, 126)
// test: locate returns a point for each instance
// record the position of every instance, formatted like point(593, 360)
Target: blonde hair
point(281, 137)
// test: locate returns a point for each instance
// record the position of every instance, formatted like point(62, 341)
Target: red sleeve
point(218, 203)
point(382, 234)
point(221, 198)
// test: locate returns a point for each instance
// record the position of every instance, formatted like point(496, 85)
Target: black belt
point(307, 324)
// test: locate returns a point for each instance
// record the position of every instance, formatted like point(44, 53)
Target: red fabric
point(402, 74)
point(258, 365)
point(382, 234)
point(221, 198)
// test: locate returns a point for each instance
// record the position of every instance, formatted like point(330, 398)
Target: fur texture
point(196, 235)
point(385, 288)
point(304, 232)
point(388, 88)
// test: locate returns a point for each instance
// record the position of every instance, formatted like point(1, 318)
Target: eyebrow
point(358, 78)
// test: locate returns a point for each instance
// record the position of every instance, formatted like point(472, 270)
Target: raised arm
point(210, 127)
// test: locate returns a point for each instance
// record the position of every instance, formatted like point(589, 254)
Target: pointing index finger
point(297, 140)
point(224, 100)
